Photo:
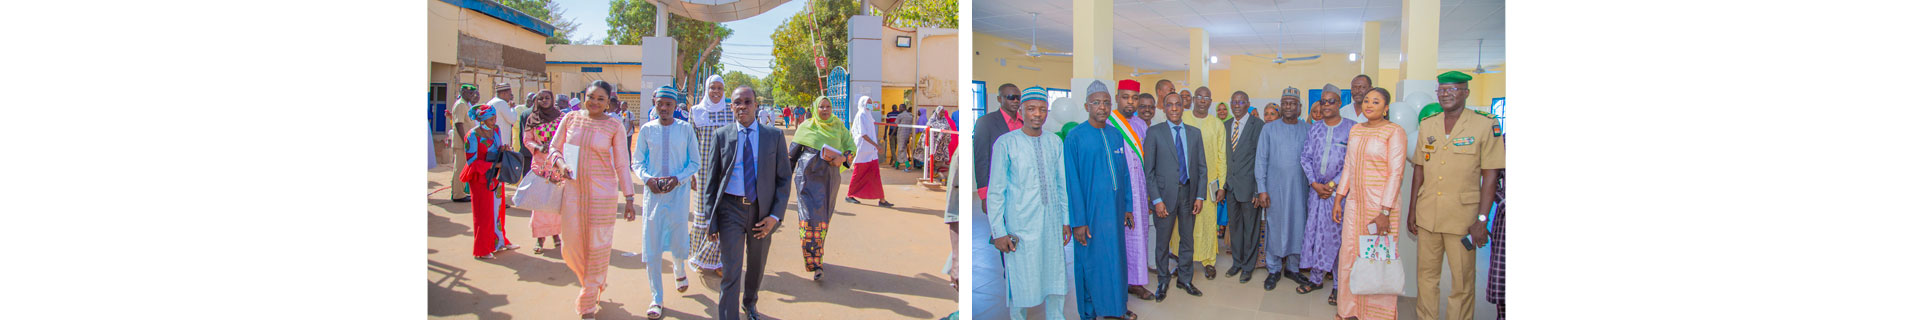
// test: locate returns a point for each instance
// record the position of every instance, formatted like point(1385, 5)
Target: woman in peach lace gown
point(591, 190)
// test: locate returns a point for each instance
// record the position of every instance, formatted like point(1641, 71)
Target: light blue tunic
point(1028, 199)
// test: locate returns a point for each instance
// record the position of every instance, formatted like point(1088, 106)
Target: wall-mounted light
point(1351, 57)
point(1213, 59)
point(903, 41)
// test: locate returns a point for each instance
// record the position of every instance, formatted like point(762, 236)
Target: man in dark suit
point(748, 200)
point(1242, 194)
point(1176, 169)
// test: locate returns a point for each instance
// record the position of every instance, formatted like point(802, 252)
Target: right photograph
point(1238, 159)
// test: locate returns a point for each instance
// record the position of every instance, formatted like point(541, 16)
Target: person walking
point(590, 162)
point(665, 156)
point(817, 154)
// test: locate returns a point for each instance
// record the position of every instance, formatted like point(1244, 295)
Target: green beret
point(1430, 110)
point(1454, 77)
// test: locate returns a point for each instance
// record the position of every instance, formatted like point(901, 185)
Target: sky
point(749, 50)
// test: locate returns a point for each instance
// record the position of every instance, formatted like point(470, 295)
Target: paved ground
point(1226, 298)
point(881, 264)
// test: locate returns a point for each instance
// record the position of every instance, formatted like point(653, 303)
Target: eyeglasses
point(1011, 97)
point(1101, 102)
point(1330, 101)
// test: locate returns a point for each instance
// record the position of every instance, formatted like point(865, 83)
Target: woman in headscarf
point(937, 142)
point(587, 209)
point(866, 157)
point(536, 132)
point(817, 152)
point(488, 234)
point(711, 114)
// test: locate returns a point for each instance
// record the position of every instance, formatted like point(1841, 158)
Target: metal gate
point(837, 93)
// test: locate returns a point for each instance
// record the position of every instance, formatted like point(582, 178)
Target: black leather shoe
point(1246, 276)
point(1191, 289)
point(1209, 272)
point(1160, 294)
point(1273, 279)
point(1233, 271)
point(462, 199)
point(750, 314)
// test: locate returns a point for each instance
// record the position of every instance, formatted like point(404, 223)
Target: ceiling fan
point(1136, 70)
point(1279, 58)
point(1033, 49)
point(1476, 59)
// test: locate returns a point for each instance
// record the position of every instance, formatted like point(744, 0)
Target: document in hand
point(572, 153)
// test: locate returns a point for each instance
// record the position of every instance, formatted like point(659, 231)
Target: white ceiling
point(1304, 27)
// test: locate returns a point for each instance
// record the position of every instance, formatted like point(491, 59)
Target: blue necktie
point(746, 137)
point(1181, 146)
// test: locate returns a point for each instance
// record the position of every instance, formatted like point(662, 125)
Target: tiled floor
point(1226, 298)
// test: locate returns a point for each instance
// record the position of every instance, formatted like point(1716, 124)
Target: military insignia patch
point(1463, 141)
point(1496, 130)
point(1430, 139)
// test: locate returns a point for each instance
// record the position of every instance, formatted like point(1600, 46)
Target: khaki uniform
point(459, 146)
point(1447, 204)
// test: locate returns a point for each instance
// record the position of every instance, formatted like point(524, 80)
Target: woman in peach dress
point(590, 191)
point(1369, 190)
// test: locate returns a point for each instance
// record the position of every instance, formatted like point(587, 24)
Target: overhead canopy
point(733, 10)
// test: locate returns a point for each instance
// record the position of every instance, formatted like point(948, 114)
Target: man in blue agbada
point(1026, 203)
point(1098, 207)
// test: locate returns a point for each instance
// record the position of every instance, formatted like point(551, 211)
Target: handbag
point(508, 166)
point(1378, 269)
point(538, 195)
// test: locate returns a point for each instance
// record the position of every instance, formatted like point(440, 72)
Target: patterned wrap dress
point(489, 232)
point(542, 223)
point(706, 255)
point(586, 216)
point(1371, 184)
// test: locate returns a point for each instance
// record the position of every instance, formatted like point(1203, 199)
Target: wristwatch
point(1483, 218)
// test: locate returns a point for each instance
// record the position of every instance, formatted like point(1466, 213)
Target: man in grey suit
point(1242, 194)
point(747, 201)
point(1176, 169)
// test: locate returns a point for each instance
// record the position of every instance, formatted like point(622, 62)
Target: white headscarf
point(700, 111)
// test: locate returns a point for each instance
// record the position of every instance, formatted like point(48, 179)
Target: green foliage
point(925, 13)
point(697, 42)
point(818, 30)
point(550, 12)
point(737, 78)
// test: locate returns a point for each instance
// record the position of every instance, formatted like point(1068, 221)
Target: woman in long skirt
point(602, 175)
point(538, 131)
point(1369, 190)
point(489, 235)
point(816, 151)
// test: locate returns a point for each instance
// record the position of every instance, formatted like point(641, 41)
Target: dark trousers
point(1179, 218)
point(736, 231)
point(1244, 222)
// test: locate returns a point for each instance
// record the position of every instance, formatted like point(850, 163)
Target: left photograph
point(679, 159)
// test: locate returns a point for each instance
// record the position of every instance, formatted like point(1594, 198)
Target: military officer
point(1459, 154)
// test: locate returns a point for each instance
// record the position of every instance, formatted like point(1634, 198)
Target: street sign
point(820, 62)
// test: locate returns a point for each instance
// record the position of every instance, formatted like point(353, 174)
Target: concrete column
point(1370, 49)
point(863, 59)
point(657, 64)
point(1197, 54)
point(1092, 60)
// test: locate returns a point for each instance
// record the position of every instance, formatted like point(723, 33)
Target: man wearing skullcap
point(1176, 169)
point(1284, 183)
point(503, 102)
point(665, 157)
point(1242, 192)
point(1323, 158)
point(1139, 231)
point(1467, 147)
point(989, 285)
point(1027, 208)
point(461, 122)
point(1099, 206)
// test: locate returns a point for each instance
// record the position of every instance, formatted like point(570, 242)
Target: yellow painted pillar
point(1420, 34)
point(1092, 60)
point(1370, 49)
point(1197, 54)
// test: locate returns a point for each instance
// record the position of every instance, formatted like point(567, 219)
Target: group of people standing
point(741, 169)
point(1291, 194)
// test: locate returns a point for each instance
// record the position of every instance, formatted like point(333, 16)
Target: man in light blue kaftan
point(1098, 203)
point(1277, 169)
point(1027, 211)
point(664, 159)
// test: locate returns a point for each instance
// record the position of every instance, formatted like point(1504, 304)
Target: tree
point(550, 12)
point(698, 42)
point(925, 13)
point(819, 30)
point(737, 78)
